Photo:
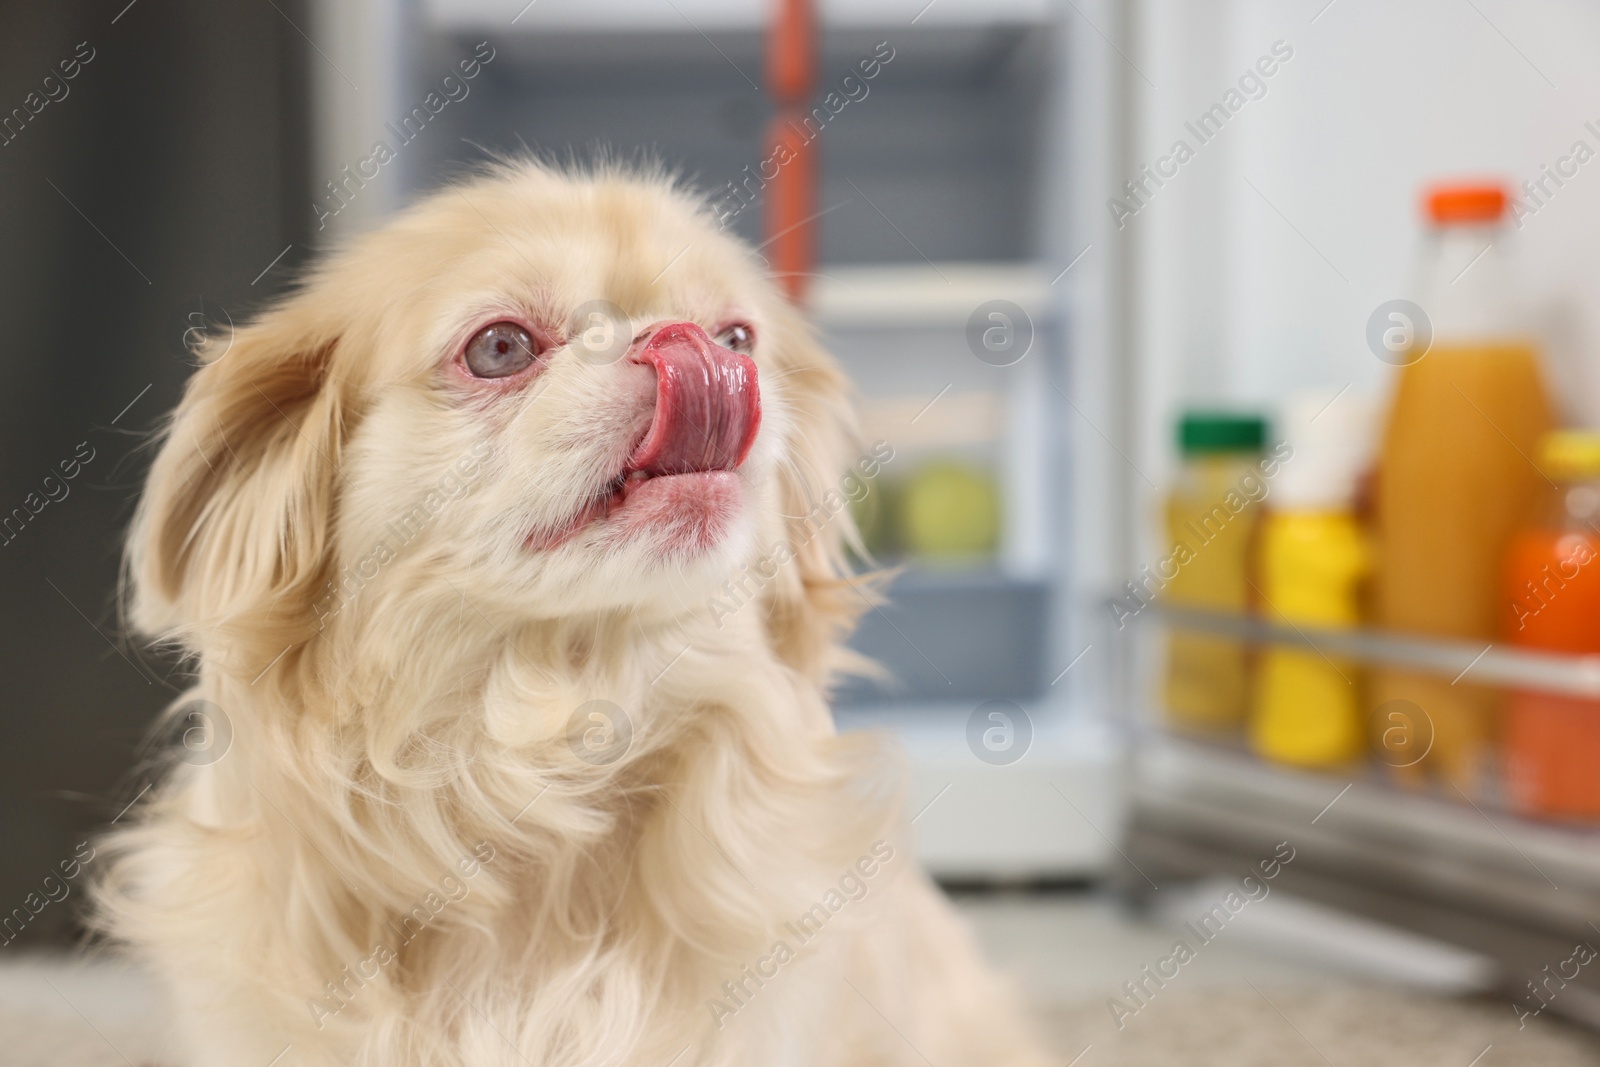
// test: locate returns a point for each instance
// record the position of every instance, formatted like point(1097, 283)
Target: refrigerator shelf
point(1518, 890)
point(1463, 868)
point(1487, 663)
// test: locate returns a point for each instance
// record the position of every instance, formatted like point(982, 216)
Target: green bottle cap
point(1220, 431)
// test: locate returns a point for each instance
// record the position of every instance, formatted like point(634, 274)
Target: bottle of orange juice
point(1455, 475)
point(1552, 602)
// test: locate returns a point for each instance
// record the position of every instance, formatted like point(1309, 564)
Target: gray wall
point(178, 146)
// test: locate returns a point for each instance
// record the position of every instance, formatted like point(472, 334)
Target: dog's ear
point(816, 602)
point(233, 528)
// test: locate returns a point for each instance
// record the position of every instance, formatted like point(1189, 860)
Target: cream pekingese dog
point(508, 552)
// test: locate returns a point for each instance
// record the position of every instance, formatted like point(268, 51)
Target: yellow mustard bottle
point(1313, 556)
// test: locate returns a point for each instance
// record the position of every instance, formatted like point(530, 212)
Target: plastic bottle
point(1312, 558)
point(1552, 602)
point(1211, 517)
point(1454, 477)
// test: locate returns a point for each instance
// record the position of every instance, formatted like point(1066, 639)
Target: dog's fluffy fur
point(401, 858)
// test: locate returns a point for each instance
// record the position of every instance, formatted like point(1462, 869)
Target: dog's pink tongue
point(708, 406)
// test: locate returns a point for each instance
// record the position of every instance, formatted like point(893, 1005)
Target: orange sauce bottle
point(1552, 602)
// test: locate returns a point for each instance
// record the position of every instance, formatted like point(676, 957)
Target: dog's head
point(537, 394)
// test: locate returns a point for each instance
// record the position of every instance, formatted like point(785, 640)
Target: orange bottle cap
point(1449, 204)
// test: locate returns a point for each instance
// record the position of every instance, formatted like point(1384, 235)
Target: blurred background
point(1241, 375)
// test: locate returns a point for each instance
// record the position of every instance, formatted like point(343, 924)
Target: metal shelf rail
point(1483, 664)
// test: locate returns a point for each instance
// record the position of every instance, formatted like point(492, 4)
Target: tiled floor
point(1250, 997)
point(65, 1011)
point(1067, 947)
point(1284, 984)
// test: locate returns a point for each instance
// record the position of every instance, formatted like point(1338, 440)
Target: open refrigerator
point(982, 171)
point(953, 281)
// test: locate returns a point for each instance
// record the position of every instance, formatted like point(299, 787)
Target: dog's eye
point(499, 349)
point(737, 336)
